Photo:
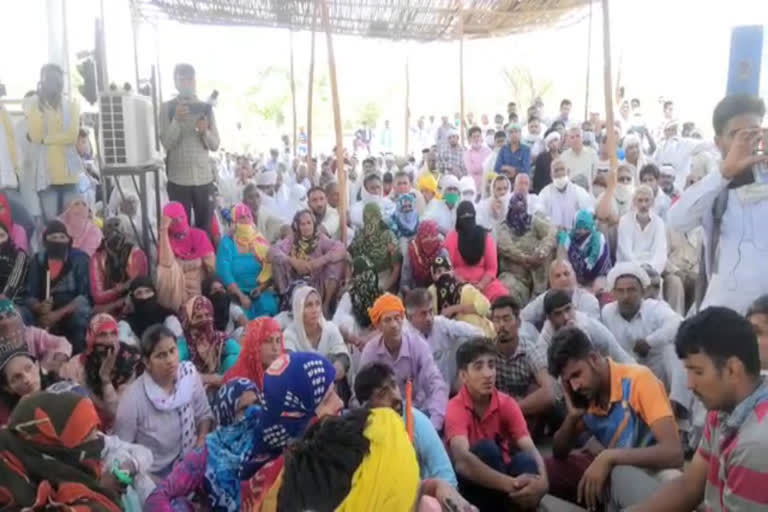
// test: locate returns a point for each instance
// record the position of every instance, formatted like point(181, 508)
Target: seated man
point(410, 356)
point(443, 335)
point(625, 409)
point(561, 199)
point(521, 369)
point(496, 462)
point(375, 386)
point(560, 314)
point(647, 327)
point(728, 471)
point(562, 277)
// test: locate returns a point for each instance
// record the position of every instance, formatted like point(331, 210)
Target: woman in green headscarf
point(587, 251)
point(380, 245)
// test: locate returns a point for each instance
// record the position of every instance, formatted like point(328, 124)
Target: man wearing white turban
point(443, 211)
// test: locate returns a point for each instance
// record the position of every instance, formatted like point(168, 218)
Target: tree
point(524, 87)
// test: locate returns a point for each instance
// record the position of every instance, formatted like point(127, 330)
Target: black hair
point(472, 349)
point(668, 103)
point(499, 135)
point(425, 150)
point(207, 284)
point(183, 69)
point(50, 67)
point(513, 117)
point(152, 336)
point(556, 299)
point(649, 169)
point(315, 188)
point(735, 105)
point(533, 118)
point(82, 133)
point(759, 306)
point(369, 160)
point(565, 101)
point(720, 333)
point(506, 301)
point(403, 174)
point(371, 176)
point(370, 377)
point(511, 103)
point(568, 344)
point(387, 178)
point(318, 469)
point(416, 298)
point(473, 130)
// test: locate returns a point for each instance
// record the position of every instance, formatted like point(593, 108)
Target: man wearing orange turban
point(387, 303)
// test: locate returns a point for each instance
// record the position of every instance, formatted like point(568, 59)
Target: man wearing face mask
point(561, 199)
point(58, 287)
point(443, 211)
point(53, 123)
point(372, 192)
point(475, 156)
point(188, 133)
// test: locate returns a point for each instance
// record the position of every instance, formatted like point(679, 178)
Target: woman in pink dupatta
point(85, 235)
point(185, 258)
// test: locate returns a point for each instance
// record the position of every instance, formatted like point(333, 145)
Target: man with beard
point(269, 225)
point(642, 235)
point(624, 408)
point(58, 287)
point(521, 370)
point(227, 316)
point(326, 216)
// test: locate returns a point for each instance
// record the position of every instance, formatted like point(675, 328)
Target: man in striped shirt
point(730, 469)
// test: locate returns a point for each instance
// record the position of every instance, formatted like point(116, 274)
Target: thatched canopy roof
point(422, 20)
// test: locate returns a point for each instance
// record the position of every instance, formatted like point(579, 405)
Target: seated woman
point(587, 251)
point(86, 236)
point(15, 231)
point(112, 268)
point(309, 255)
point(491, 211)
point(238, 468)
point(232, 399)
point(58, 287)
point(472, 251)
point(261, 345)
point(244, 268)
point(20, 375)
point(526, 246)
point(228, 317)
point(460, 301)
point(14, 266)
point(422, 251)
point(185, 257)
point(378, 243)
point(165, 409)
point(105, 369)
point(311, 332)
point(145, 312)
point(52, 351)
point(351, 316)
point(211, 351)
point(52, 454)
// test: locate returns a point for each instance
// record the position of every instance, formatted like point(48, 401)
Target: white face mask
point(561, 183)
point(624, 192)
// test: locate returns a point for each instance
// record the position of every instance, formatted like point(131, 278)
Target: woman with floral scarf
point(378, 243)
point(587, 250)
point(422, 251)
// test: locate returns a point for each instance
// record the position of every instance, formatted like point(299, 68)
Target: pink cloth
point(188, 243)
point(487, 266)
point(84, 233)
point(19, 237)
point(44, 345)
point(473, 161)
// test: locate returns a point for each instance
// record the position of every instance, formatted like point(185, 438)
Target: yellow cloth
point(388, 478)
point(58, 139)
point(427, 182)
point(10, 138)
point(387, 303)
point(473, 296)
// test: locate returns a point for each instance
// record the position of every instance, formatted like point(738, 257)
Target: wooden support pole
point(589, 67)
point(293, 92)
point(610, 131)
point(310, 87)
point(341, 172)
point(407, 104)
point(462, 129)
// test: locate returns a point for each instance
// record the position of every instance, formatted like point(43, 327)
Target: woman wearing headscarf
point(261, 345)
point(210, 350)
point(52, 351)
point(15, 231)
point(310, 255)
point(244, 267)
point(166, 408)
point(106, 367)
point(587, 251)
point(492, 210)
point(185, 257)
point(52, 454)
point(378, 243)
point(58, 289)
point(239, 467)
point(86, 236)
point(112, 268)
point(146, 311)
point(228, 317)
point(232, 399)
point(21, 374)
point(422, 251)
point(526, 247)
point(473, 253)
point(14, 265)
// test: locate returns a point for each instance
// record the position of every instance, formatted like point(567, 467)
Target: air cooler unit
point(127, 130)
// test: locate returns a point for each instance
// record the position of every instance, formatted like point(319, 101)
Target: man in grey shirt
point(188, 133)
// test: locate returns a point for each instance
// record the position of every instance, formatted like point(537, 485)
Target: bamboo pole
point(462, 129)
point(341, 172)
point(609, 126)
point(293, 91)
point(312, 169)
point(407, 104)
point(589, 66)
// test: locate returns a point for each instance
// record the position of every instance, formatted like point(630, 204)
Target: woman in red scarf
point(17, 233)
point(262, 343)
point(422, 251)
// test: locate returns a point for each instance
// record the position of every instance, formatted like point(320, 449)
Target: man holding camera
point(188, 133)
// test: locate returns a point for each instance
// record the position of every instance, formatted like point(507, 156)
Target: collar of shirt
point(405, 347)
point(733, 421)
point(466, 401)
point(520, 350)
point(615, 392)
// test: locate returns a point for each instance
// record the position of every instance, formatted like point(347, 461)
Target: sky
point(675, 49)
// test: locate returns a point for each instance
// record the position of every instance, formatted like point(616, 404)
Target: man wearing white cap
point(647, 328)
point(561, 199)
point(266, 182)
point(450, 157)
point(443, 211)
point(676, 150)
point(467, 189)
point(667, 176)
point(581, 160)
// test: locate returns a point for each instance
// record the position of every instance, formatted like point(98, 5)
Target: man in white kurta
point(561, 199)
point(676, 150)
point(581, 160)
point(642, 236)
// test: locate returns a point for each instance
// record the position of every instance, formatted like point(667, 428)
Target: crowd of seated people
point(457, 340)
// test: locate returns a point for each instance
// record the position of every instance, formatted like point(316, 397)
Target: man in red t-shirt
point(496, 462)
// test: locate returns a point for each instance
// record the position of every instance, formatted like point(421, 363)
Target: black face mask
point(221, 302)
point(145, 306)
point(57, 250)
